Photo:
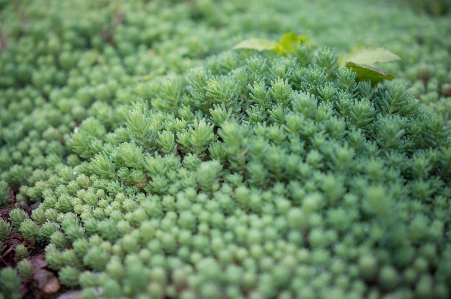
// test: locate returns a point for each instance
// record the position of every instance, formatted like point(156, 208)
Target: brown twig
point(5, 254)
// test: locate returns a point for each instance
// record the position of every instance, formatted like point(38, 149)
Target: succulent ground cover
point(141, 157)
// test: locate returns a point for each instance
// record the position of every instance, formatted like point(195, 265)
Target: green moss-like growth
point(10, 283)
point(433, 7)
point(25, 269)
point(5, 230)
point(269, 164)
point(162, 164)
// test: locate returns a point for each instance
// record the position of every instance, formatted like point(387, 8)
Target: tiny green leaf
point(366, 72)
point(287, 42)
point(368, 56)
point(256, 44)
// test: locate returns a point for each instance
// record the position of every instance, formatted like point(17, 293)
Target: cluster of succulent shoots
point(244, 174)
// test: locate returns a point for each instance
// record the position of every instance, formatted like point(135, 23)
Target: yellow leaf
point(287, 42)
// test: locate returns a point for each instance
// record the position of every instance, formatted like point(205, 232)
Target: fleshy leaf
point(256, 44)
point(287, 42)
point(368, 56)
point(366, 72)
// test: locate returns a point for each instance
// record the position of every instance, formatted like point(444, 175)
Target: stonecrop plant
point(150, 158)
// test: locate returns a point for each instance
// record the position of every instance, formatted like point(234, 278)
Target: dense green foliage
point(168, 166)
point(433, 7)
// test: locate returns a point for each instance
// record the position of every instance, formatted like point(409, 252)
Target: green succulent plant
point(159, 163)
